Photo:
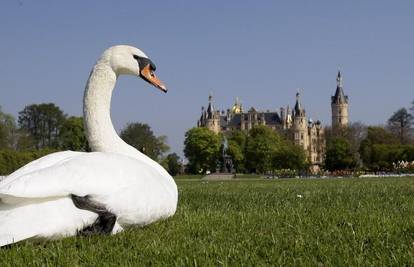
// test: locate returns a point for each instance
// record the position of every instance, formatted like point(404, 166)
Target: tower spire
point(210, 108)
point(339, 96)
point(339, 79)
point(298, 106)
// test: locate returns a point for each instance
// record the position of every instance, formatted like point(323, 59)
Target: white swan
point(103, 191)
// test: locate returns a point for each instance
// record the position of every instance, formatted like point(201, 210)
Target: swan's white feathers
point(94, 174)
point(51, 218)
point(39, 164)
point(136, 193)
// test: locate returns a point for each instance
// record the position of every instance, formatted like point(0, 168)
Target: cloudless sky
point(260, 51)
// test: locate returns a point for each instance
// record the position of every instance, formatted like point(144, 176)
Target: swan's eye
point(143, 62)
point(153, 67)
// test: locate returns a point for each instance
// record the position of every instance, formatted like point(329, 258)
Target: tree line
point(372, 148)
point(44, 128)
point(261, 150)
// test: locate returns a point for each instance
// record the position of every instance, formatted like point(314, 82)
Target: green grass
point(336, 222)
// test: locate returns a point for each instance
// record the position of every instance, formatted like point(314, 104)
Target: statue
point(226, 160)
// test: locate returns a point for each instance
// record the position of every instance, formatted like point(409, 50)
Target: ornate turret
point(300, 124)
point(211, 117)
point(289, 119)
point(298, 110)
point(339, 105)
point(202, 119)
point(210, 108)
point(237, 107)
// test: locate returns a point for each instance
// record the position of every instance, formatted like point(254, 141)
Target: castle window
point(301, 136)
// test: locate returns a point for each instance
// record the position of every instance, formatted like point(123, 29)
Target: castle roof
point(339, 97)
point(271, 118)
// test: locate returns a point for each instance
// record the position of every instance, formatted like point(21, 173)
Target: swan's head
point(129, 60)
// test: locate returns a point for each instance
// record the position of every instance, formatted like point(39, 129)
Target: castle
point(301, 130)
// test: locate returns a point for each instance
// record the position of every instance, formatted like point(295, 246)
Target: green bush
point(12, 160)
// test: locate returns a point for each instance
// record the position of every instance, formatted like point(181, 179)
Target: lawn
point(325, 222)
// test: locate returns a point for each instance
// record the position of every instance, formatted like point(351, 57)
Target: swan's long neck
point(100, 131)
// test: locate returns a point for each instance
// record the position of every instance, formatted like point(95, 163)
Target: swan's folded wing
point(41, 163)
point(84, 174)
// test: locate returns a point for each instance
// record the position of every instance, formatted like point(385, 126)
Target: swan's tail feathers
point(41, 218)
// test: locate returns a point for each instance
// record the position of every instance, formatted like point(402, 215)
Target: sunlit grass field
point(314, 222)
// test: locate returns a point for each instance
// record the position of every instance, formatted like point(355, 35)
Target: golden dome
point(237, 107)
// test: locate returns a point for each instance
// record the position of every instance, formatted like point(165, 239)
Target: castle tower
point(212, 120)
point(339, 105)
point(300, 125)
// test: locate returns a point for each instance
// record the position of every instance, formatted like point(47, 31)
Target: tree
point(375, 136)
point(379, 135)
point(236, 149)
point(290, 156)
point(140, 136)
point(354, 133)
point(202, 149)
point(24, 141)
point(412, 108)
point(43, 123)
point(8, 130)
point(172, 164)
point(261, 146)
point(339, 155)
point(400, 125)
point(72, 135)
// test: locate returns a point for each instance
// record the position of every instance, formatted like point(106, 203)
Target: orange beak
point(149, 75)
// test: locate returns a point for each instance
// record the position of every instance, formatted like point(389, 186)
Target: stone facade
point(302, 131)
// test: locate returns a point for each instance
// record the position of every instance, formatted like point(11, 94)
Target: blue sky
point(260, 51)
